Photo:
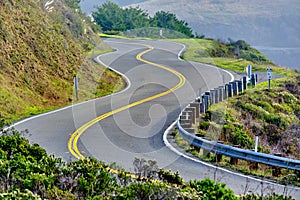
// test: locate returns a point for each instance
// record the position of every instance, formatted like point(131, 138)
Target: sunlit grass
point(197, 51)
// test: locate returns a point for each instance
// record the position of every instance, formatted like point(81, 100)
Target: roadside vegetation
point(43, 48)
point(27, 172)
point(271, 114)
point(231, 54)
point(41, 52)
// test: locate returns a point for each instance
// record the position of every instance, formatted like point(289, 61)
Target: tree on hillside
point(135, 18)
point(113, 18)
point(168, 20)
point(109, 17)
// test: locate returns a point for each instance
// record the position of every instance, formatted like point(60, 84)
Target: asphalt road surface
point(131, 123)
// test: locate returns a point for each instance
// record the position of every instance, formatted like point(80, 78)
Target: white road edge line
point(166, 142)
point(78, 104)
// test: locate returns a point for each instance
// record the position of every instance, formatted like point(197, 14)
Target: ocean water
point(283, 56)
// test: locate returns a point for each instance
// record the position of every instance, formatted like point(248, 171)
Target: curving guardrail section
point(238, 153)
point(189, 115)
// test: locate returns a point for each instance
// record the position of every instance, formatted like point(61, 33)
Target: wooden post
point(234, 161)
point(276, 171)
point(218, 157)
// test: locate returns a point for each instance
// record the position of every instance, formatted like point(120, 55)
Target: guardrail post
point(244, 82)
point(217, 95)
point(221, 93)
point(253, 165)
point(234, 88)
point(218, 157)
point(186, 116)
point(276, 171)
point(240, 86)
point(234, 161)
point(225, 92)
point(229, 90)
point(202, 107)
point(253, 80)
point(185, 123)
point(212, 97)
point(206, 102)
point(197, 108)
point(192, 113)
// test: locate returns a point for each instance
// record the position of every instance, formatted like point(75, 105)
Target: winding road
point(132, 123)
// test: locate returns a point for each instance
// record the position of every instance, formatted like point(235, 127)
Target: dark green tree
point(113, 18)
point(135, 18)
point(110, 17)
point(168, 20)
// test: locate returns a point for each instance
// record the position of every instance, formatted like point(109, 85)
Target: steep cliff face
point(42, 47)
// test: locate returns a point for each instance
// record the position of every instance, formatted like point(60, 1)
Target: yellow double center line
point(72, 143)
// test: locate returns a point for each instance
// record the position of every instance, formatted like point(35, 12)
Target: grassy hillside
point(42, 49)
point(272, 114)
point(233, 55)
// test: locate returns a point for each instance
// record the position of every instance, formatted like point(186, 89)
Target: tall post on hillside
point(249, 71)
point(161, 33)
point(256, 143)
point(76, 86)
point(269, 75)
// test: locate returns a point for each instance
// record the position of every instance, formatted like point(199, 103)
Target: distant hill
point(267, 23)
point(258, 22)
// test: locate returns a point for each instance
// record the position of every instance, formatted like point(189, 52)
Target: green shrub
point(201, 133)
point(265, 105)
point(256, 111)
point(280, 120)
point(146, 190)
point(236, 135)
point(212, 190)
point(204, 125)
point(240, 137)
point(288, 97)
point(170, 177)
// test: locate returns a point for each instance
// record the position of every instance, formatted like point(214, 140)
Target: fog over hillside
point(271, 25)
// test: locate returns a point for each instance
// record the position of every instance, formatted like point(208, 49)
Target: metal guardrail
point(238, 153)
